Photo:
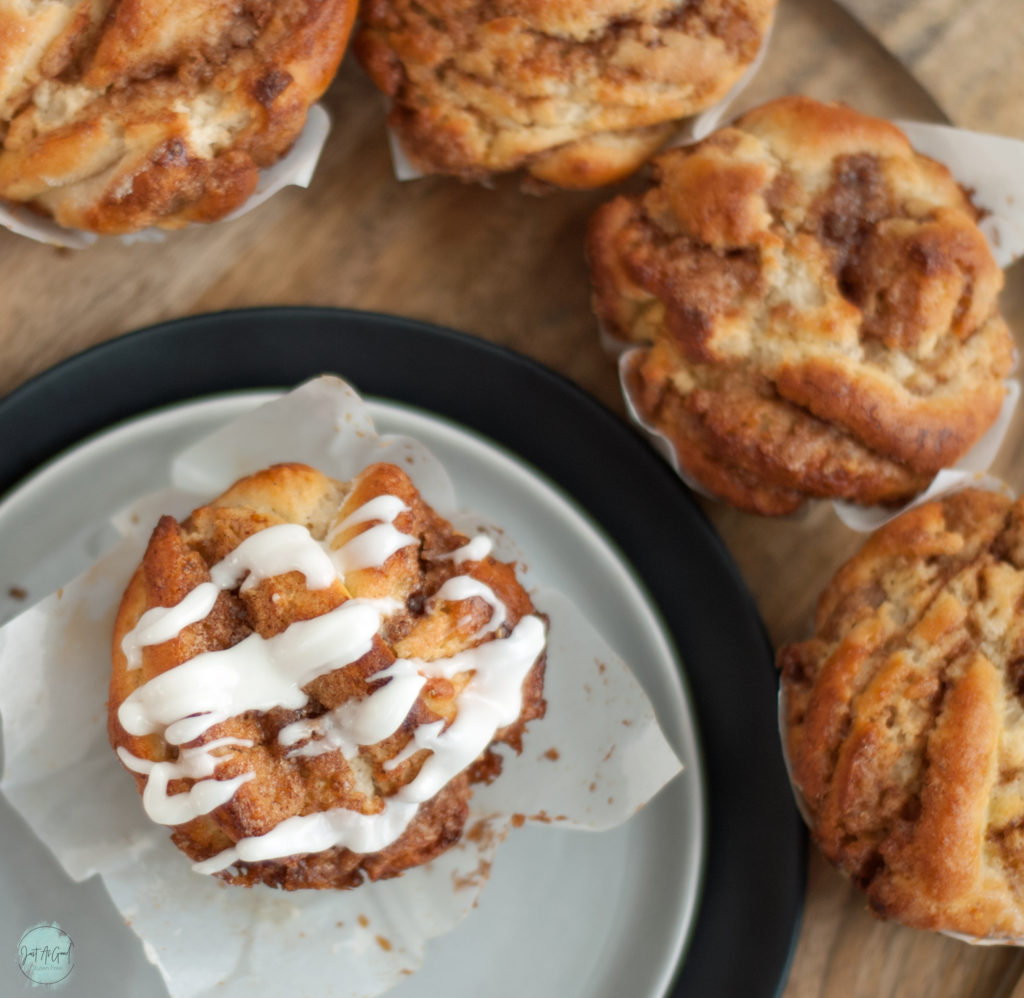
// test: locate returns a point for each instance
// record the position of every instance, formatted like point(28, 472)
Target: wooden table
point(509, 268)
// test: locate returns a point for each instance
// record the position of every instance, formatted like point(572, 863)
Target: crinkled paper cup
point(992, 167)
point(293, 170)
point(971, 469)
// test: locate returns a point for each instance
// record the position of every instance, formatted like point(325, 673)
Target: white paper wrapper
point(969, 470)
point(991, 167)
point(658, 439)
point(692, 129)
point(296, 169)
point(207, 939)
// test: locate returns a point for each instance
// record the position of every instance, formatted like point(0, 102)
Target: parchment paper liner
point(295, 169)
point(691, 129)
point(992, 167)
point(983, 482)
point(205, 938)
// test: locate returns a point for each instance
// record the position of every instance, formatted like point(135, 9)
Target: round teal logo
point(45, 954)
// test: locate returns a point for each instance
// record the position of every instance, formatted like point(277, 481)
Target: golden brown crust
point(904, 717)
point(577, 94)
point(817, 307)
point(119, 115)
point(178, 559)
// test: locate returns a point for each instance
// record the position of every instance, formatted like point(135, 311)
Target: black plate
point(754, 881)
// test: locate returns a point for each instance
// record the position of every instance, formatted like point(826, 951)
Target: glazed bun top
point(309, 674)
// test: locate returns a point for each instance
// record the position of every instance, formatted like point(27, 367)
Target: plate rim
point(679, 893)
point(100, 371)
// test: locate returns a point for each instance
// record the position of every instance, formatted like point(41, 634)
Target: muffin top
point(114, 117)
point(904, 717)
point(817, 308)
point(577, 94)
point(308, 675)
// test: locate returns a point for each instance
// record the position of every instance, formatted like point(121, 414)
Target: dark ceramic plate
point(753, 881)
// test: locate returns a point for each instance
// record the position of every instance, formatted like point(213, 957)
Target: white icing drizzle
point(491, 699)
point(161, 623)
point(188, 729)
point(375, 717)
point(255, 674)
point(384, 508)
point(462, 587)
point(284, 547)
point(259, 674)
point(476, 550)
point(428, 732)
point(372, 547)
point(359, 722)
point(195, 763)
point(362, 833)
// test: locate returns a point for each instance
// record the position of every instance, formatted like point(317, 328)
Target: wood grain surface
point(509, 268)
point(968, 56)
